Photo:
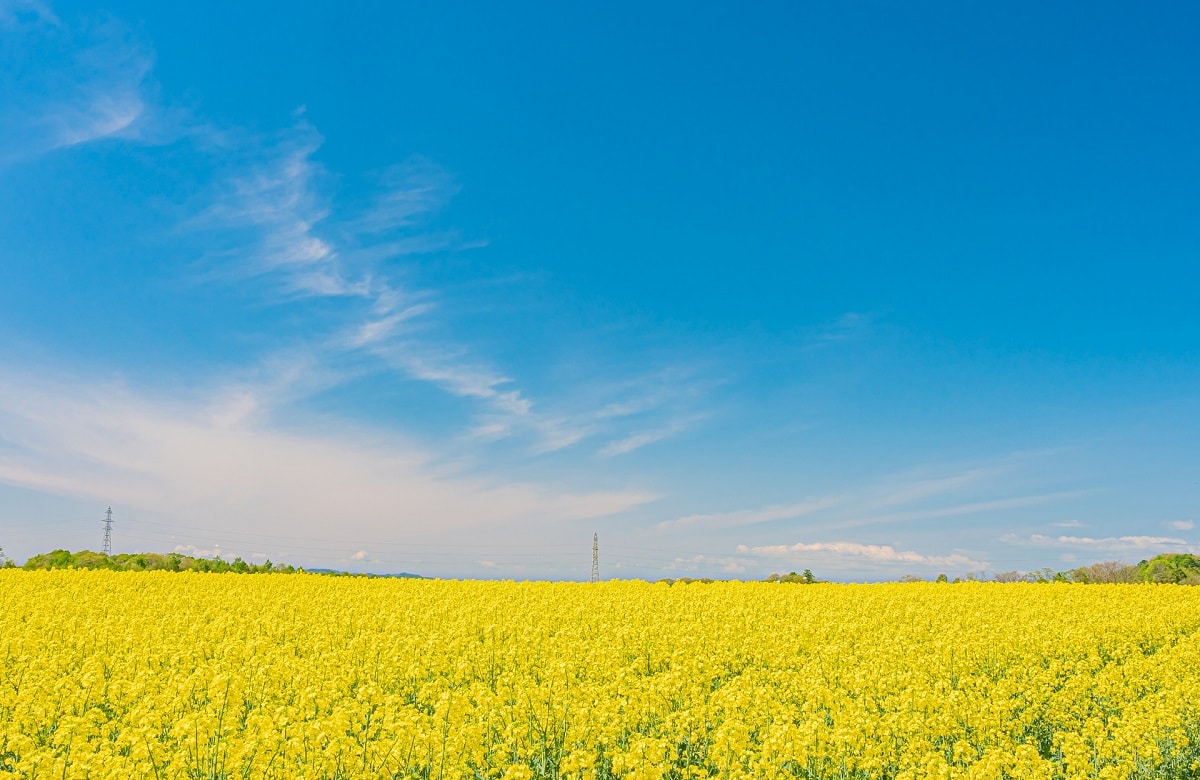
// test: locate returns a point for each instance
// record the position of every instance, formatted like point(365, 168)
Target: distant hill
point(399, 576)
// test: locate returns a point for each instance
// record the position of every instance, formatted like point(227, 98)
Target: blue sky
point(446, 289)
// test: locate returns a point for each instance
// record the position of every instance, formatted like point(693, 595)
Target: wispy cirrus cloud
point(409, 192)
point(265, 223)
point(15, 13)
point(67, 82)
point(273, 215)
point(279, 227)
point(647, 408)
point(505, 410)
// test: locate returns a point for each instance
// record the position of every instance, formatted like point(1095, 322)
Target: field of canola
point(161, 675)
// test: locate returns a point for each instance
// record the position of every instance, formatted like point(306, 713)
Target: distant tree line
point(86, 559)
point(1168, 568)
point(805, 577)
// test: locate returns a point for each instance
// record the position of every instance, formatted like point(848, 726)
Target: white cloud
point(1181, 525)
point(803, 552)
point(197, 552)
point(1140, 542)
point(1070, 524)
point(1108, 544)
point(361, 555)
point(236, 476)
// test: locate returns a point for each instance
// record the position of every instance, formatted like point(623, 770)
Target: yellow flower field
point(164, 675)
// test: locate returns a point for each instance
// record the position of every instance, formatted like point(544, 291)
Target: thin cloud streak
point(976, 507)
point(854, 512)
point(377, 330)
point(749, 516)
point(645, 438)
point(921, 488)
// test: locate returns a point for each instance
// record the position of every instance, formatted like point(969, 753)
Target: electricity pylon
point(108, 521)
point(595, 557)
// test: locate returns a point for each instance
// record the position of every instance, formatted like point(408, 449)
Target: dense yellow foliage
point(159, 675)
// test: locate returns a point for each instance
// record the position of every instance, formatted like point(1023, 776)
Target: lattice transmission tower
point(108, 521)
point(595, 557)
